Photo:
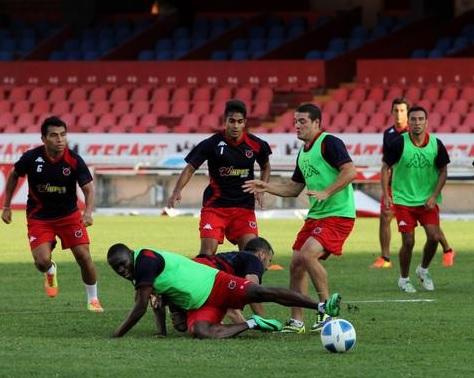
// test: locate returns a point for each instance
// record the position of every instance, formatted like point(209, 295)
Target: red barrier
point(274, 73)
point(415, 71)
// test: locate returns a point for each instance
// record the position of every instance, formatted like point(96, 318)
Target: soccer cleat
point(406, 286)
point(425, 278)
point(320, 322)
point(381, 263)
point(448, 258)
point(267, 324)
point(95, 306)
point(51, 283)
point(333, 305)
point(291, 326)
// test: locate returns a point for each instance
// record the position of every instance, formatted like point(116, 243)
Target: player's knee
point(42, 264)
point(408, 240)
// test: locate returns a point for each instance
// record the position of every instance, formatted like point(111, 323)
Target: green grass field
point(58, 337)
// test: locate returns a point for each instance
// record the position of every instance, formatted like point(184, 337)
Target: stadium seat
point(442, 107)
point(376, 94)
point(6, 120)
point(201, 107)
point(202, 94)
point(160, 94)
point(350, 107)
point(244, 94)
point(357, 94)
point(385, 107)
point(20, 107)
point(340, 95)
point(219, 107)
point(57, 94)
point(140, 107)
point(86, 121)
point(261, 110)
point(285, 122)
point(80, 107)
point(413, 94)
point(359, 121)
point(460, 106)
point(189, 122)
point(434, 121)
point(181, 94)
point(126, 124)
point(100, 107)
point(5, 106)
point(426, 104)
point(264, 93)
point(120, 108)
point(107, 121)
point(431, 94)
point(179, 108)
point(467, 93)
point(98, 94)
point(19, 93)
point(393, 92)
point(25, 120)
point(160, 107)
point(139, 94)
point(38, 94)
point(331, 107)
point(340, 121)
point(78, 94)
point(223, 94)
point(450, 93)
point(367, 107)
point(119, 94)
point(209, 123)
point(147, 122)
point(70, 121)
point(452, 120)
point(40, 107)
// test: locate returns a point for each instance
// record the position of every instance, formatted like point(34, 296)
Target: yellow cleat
point(95, 306)
point(381, 263)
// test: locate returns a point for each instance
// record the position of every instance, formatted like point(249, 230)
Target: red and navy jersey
point(230, 165)
point(390, 135)
point(236, 263)
point(52, 184)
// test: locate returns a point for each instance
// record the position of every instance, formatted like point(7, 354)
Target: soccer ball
point(338, 335)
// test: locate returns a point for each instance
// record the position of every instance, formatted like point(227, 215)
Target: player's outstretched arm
point(288, 188)
point(183, 179)
point(141, 303)
point(10, 187)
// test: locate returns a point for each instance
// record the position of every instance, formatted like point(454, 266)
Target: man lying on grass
point(206, 293)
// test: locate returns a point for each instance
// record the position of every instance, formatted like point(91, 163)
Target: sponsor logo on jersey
point(48, 188)
point(231, 171)
point(39, 159)
point(252, 224)
point(32, 238)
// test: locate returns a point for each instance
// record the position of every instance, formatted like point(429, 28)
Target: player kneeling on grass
point(250, 264)
point(206, 293)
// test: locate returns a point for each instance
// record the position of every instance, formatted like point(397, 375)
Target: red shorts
point(331, 232)
point(69, 229)
point(230, 222)
point(228, 292)
point(408, 217)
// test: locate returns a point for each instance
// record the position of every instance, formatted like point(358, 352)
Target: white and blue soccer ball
point(338, 336)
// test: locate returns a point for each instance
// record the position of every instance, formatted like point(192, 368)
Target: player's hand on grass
point(7, 215)
point(254, 186)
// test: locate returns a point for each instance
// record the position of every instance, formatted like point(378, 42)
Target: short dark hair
point(257, 244)
point(400, 101)
point(417, 108)
point(117, 252)
point(51, 121)
point(313, 111)
point(235, 106)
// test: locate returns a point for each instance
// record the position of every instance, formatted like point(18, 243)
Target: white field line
point(391, 300)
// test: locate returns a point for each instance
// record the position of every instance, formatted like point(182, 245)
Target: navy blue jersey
point(147, 267)
point(236, 263)
point(334, 151)
point(229, 165)
point(52, 184)
point(390, 135)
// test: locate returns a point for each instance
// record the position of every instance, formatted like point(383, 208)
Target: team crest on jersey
point(66, 171)
point(78, 234)
point(253, 225)
point(317, 230)
point(249, 153)
point(232, 284)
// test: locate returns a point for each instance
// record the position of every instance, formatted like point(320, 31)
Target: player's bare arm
point(10, 187)
point(347, 174)
point(385, 181)
point(141, 302)
point(265, 170)
point(183, 179)
point(288, 188)
point(443, 174)
point(257, 308)
point(89, 195)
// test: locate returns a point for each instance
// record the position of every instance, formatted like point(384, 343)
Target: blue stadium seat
point(239, 55)
point(219, 55)
point(419, 54)
point(146, 55)
point(164, 55)
point(313, 54)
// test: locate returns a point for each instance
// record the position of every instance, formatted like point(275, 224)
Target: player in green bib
point(204, 292)
point(325, 168)
point(418, 162)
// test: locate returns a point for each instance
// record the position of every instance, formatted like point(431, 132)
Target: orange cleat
point(51, 283)
point(95, 306)
point(448, 258)
point(380, 263)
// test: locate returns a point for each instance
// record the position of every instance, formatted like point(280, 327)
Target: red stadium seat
point(393, 92)
point(460, 106)
point(285, 123)
point(38, 94)
point(467, 93)
point(434, 121)
point(139, 94)
point(210, 122)
point(18, 93)
point(340, 121)
point(340, 95)
point(450, 123)
point(189, 122)
point(219, 107)
point(450, 93)
point(179, 108)
point(331, 107)
point(181, 94)
point(25, 120)
point(160, 94)
point(80, 107)
point(106, 122)
point(385, 107)
point(20, 107)
point(244, 94)
point(223, 94)
point(86, 121)
point(350, 107)
point(442, 106)
point(413, 94)
point(78, 94)
point(60, 107)
point(5, 106)
point(6, 119)
point(260, 110)
point(160, 107)
point(201, 107)
point(100, 107)
point(40, 107)
point(98, 94)
point(431, 94)
point(140, 107)
point(469, 121)
point(376, 94)
point(359, 121)
point(202, 94)
point(147, 122)
point(357, 94)
point(127, 123)
point(367, 107)
point(120, 108)
point(325, 120)
point(57, 94)
point(378, 121)
point(119, 94)
point(70, 121)
point(426, 104)
point(264, 93)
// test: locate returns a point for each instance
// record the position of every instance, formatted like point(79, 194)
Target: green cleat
point(320, 322)
point(267, 324)
point(292, 327)
point(333, 305)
